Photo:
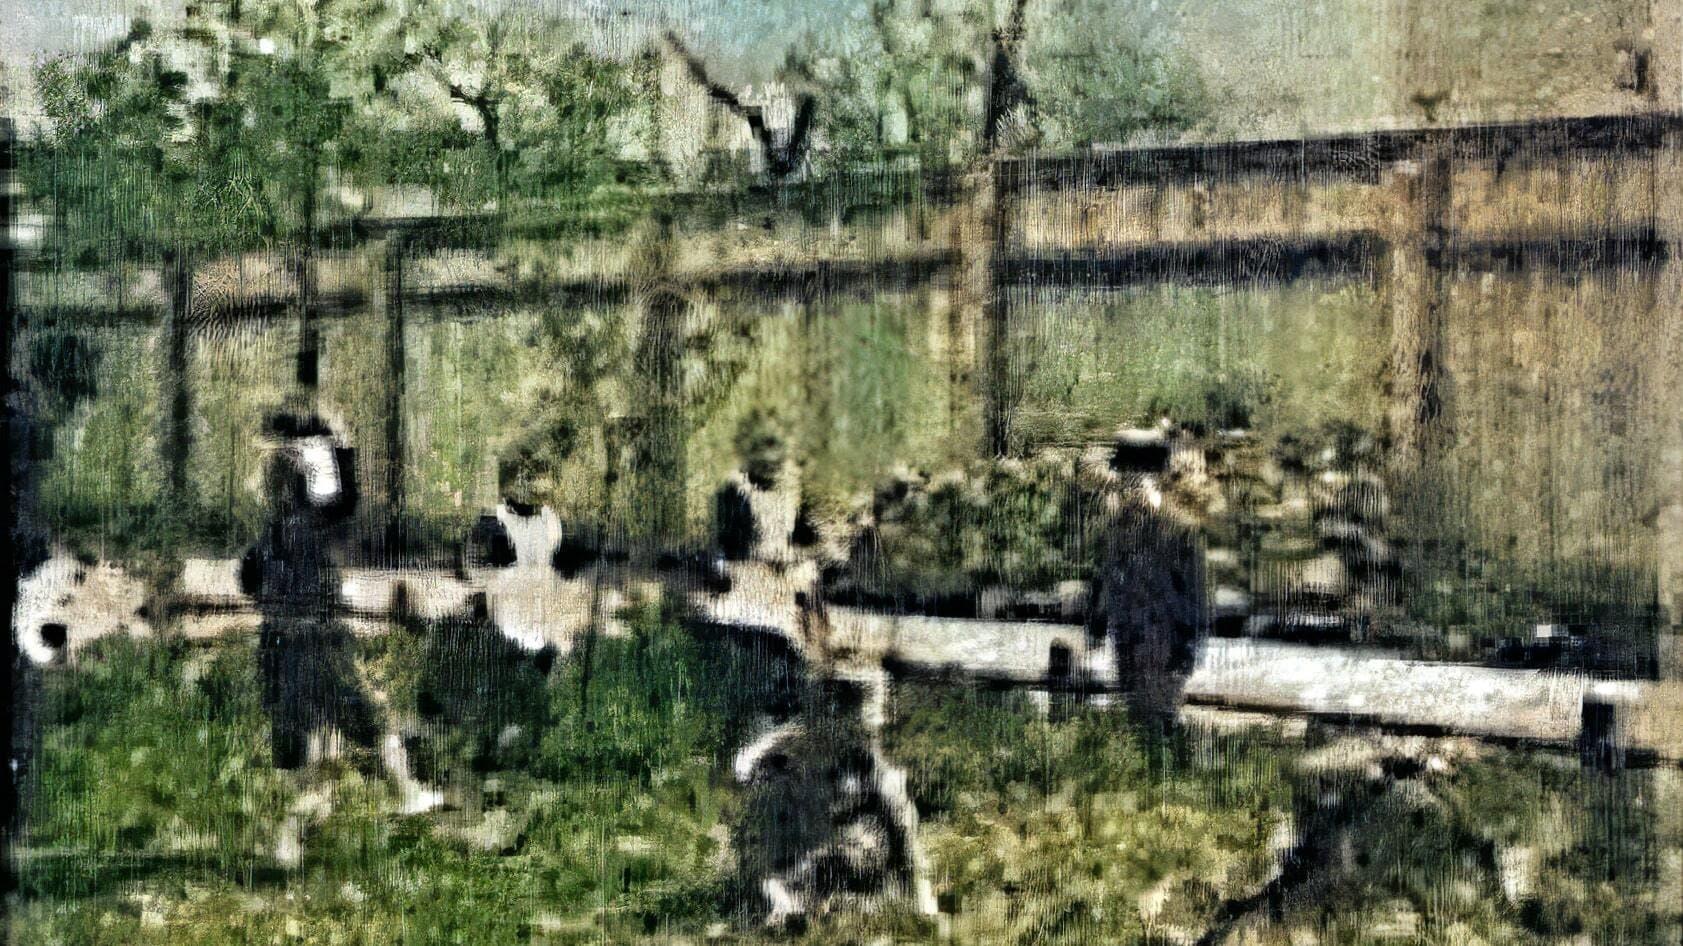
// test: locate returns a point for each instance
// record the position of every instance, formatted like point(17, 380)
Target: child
point(305, 654)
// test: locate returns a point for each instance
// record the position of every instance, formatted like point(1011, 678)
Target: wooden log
point(1352, 683)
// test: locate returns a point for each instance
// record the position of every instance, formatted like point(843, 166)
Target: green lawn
point(607, 815)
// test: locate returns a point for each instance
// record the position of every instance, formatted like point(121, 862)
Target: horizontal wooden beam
point(1203, 263)
point(1360, 157)
point(1240, 262)
point(1566, 253)
point(1339, 682)
point(1270, 260)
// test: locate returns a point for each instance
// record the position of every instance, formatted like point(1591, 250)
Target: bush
point(935, 543)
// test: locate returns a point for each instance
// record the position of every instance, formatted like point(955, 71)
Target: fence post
point(1413, 286)
point(1413, 294)
point(396, 364)
point(982, 308)
point(817, 409)
point(177, 441)
point(19, 498)
point(309, 331)
point(1668, 388)
point(1004, 386)
point(964, 305)
point(660, 458)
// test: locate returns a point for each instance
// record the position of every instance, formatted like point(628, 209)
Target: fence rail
point(1360, 157)
point(1233, 263)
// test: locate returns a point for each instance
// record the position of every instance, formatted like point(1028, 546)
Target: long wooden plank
point(1245, 674)
point(1359, 156)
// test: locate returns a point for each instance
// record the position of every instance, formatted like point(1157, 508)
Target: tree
point(948, 80)
point(115, 159)
point(1093, 83)
point(482, 108)
point(200, 138)
point(226, 132)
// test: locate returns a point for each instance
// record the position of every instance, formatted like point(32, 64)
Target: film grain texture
point(759, 472)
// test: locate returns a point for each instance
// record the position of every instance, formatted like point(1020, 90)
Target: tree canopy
point(937, 79)
point(251, 121)
point(236, 126)
point(185, 140)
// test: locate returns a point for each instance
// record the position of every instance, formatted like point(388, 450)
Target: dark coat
point(306, 656)
point(1153, 606)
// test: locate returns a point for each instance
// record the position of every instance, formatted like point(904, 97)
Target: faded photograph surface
point(843, 471)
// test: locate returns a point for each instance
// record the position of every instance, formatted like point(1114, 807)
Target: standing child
point(306, 655)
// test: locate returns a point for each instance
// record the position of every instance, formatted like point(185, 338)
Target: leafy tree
point(477, 106)
point(946, 80)
point(113, 159)
point(1092, 82)
point(227, 131)
point(197, 138)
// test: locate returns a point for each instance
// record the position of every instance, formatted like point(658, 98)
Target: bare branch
point(781, 159)
point(484, 105)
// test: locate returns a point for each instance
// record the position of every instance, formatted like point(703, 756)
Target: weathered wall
point(1524, 295)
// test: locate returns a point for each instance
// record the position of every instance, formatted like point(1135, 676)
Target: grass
point(607, 816)
point(156, 805)
point(1074, 828)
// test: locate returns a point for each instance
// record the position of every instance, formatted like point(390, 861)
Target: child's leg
point(415, 797)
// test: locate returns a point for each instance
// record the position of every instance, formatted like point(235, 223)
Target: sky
point(1278, 68)
point(742, 30)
